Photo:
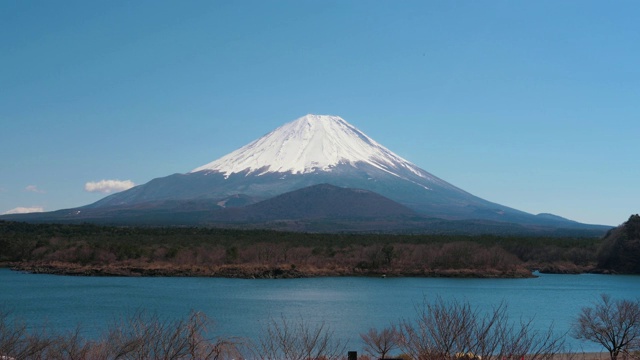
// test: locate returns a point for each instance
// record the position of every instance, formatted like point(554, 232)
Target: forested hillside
point(620, 251)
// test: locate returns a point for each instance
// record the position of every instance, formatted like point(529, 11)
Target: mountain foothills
point(317, 173)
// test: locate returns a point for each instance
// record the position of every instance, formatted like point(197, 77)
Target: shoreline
point(241, 271)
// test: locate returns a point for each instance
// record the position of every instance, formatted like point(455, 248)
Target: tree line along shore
point(85, 249)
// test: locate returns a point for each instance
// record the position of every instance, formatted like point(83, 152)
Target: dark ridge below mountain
point(322, 201)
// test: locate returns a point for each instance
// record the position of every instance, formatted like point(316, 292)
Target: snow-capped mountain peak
point(312, 150)
point(309, 144)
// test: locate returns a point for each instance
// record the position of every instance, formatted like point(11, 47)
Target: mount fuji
point(312, 150)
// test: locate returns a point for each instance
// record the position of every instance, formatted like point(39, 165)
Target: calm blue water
point(349, 306)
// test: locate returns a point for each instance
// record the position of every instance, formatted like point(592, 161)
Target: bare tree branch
point(613, 324)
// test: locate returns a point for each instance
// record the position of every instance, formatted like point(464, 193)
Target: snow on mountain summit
point(308, 144)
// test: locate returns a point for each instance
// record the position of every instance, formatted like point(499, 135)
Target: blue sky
point(531, 104)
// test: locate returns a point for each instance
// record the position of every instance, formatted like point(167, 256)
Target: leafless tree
point(72, 346)
point(147, 336)
point(11, 335)
point(141, 336)
point(438, 331)
point(284, 339)
point(445, 328)
point(613, 324)
point(519, 340)
point(19, 343)
point(380, 343)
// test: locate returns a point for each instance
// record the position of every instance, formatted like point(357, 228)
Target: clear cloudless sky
point(531, 104)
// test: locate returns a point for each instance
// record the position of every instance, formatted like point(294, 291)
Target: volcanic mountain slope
point(316, 149)
point(317, 202)
point(312, 150)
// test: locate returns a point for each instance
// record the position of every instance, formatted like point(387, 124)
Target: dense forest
point(87, 249)
point(620, 250)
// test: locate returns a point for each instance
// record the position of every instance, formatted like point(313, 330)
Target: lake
point(348, 305)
